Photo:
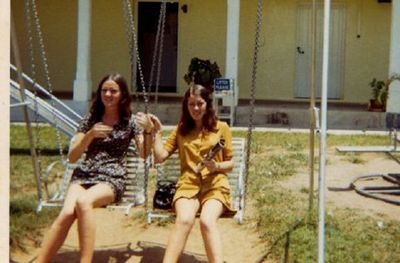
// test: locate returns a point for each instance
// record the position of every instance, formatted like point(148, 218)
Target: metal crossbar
point(47, 111)
point(390, 149)
point(65, 108)
point(170, 170)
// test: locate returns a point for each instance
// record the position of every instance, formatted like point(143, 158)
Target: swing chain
point(33, 74)
point(253, 89)
point(128, 33)
point(134, 48)
point(158, 51)
point(47, 74)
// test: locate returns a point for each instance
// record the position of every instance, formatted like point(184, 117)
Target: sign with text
point(223, 85)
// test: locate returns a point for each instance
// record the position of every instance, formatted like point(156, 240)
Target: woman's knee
point(207, 222)
point(83, 203)
point(185, 220)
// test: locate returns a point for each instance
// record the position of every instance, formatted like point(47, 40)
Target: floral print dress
point(105, 158)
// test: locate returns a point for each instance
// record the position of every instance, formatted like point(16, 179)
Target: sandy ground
point(125, 239)
point(340, 172)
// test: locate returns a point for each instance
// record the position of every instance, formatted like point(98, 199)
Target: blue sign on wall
point(223, 84)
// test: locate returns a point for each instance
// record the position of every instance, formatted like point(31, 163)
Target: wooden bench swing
point(137, 185)
point(56, 186)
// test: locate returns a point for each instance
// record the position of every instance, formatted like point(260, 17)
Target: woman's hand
point(100, 130)
point(156, 122)
point(144, 121)
point(211, 165)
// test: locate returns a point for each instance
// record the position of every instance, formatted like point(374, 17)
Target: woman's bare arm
point(83, 140)
point(160, 154)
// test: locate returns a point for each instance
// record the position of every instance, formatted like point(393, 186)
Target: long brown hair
point(97, 108)
point(187, 124)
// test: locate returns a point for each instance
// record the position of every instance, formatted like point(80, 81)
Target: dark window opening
point(147, 23)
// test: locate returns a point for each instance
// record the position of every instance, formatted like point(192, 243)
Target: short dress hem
point(114, 188)
point(219, 195)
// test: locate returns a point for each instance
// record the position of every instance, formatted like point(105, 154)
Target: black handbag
point(164, 194)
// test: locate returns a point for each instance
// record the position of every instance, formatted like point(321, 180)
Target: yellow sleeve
point(172, 142)
point(227, 135)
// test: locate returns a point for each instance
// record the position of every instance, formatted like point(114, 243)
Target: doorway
point(336, 51)
point(148, 14)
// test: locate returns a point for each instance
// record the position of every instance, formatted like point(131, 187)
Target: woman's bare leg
point(186, 210)
point(210, 212)
point(60, 227)
point(96, 196)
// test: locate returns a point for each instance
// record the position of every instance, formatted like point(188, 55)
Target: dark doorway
point(147, 23)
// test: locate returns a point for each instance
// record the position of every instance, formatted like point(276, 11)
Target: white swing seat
point(135, 183)
point(170, 170)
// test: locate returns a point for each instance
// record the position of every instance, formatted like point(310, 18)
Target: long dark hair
point(97, 108)
point(187, 124)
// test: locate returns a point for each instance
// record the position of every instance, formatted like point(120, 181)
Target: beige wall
point(202, 33)
point(110, 48)
point(58, 25)
point(275, 76)
point(367, 56)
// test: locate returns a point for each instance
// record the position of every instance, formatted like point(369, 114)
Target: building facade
point(85, 39)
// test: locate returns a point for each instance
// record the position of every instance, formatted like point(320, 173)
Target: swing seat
point(170, 170)
point(135, 183)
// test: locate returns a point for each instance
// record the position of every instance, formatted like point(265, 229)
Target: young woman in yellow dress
point(206, 191)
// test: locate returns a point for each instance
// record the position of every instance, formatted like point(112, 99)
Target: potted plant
point(379, 95)
point(202, 72)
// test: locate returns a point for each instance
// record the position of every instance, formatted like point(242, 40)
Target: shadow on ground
point(146, 252)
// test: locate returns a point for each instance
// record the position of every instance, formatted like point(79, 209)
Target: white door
point(336, 51)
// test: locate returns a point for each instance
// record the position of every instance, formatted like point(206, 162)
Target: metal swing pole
point(35, 161)
point(323, 147)
point(312, 108)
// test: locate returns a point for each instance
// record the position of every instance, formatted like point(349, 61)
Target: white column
point(83, 82)
point(394, 59)
point(232, 43)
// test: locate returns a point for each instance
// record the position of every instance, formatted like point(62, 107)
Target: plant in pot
point(380, 92)
point(202, 72)
point(379, 95)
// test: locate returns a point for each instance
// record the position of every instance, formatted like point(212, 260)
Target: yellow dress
point(204, 185)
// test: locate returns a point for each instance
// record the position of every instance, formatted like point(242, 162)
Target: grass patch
point(25, 224)
point(351, 236)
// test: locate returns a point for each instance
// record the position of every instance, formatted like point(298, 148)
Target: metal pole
point(35, 161)
point(322, 165)
point(312, 107)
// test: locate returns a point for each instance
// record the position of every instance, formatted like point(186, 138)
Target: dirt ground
point(124, 239)
point(340, 172)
